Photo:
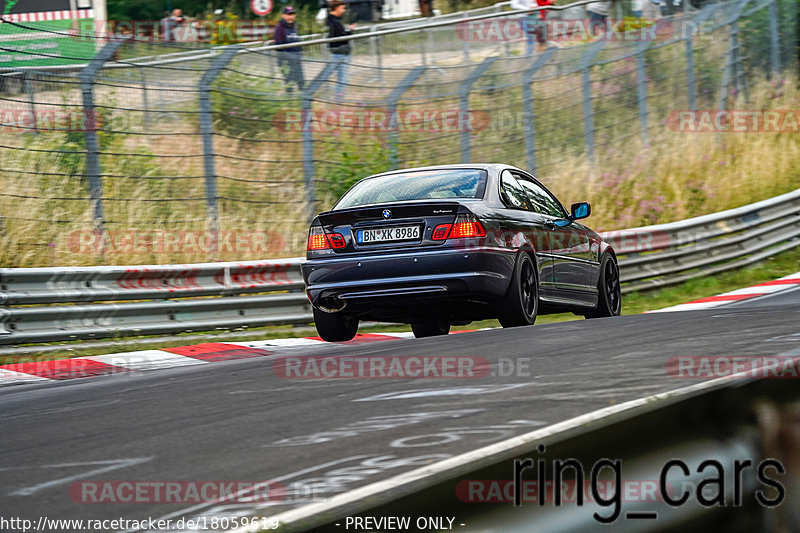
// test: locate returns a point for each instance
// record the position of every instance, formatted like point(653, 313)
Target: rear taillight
point(440, 232)
point(336, 240)
point(318, 240)
point(465, 226)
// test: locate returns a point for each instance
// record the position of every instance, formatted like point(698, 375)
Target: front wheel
point(335, 327)
point(430, 328)
point(521, 303)
point(609, 294)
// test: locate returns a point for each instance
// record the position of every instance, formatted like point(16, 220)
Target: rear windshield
point(416, 185)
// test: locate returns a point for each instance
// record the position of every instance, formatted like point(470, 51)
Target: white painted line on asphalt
point(487, 455)
point(236, 496)
point(112, 464)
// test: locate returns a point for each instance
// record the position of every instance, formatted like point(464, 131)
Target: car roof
point(481, 166)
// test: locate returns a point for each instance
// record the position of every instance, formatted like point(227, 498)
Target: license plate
point(397, 233)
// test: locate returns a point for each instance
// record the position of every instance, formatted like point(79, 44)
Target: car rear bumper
point(407, 278)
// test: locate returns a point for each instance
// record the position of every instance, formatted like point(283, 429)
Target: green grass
point(778, 266)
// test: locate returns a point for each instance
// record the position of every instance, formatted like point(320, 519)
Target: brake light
point(318, 240)
point(467, 226)
point(440, 232)
point(336, 240)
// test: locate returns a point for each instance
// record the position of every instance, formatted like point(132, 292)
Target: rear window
point(416, 185)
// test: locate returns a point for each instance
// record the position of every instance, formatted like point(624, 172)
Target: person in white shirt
point(534, 24)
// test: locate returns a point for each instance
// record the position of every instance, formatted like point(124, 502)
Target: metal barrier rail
point(208, 296)
point(666, 254)
point(179, 298)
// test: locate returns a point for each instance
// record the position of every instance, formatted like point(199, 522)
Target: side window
point(543, 202)
point(512, 192)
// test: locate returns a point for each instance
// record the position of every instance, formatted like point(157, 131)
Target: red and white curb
point(770, 287)
point(199, 354)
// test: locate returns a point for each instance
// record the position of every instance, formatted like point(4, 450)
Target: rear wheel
point(521, 303)
point(335, 327)
point(609, 297)
point(430, 328)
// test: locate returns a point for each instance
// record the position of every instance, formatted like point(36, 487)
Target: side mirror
point(580, 210)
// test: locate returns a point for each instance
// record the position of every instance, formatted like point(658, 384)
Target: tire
point(609, 295)
point(430, 328)
point(335, 327)
point(521, 303)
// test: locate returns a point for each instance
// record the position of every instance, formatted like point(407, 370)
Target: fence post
point(465, 40)
point(308, 137)
point(774, 47)
point(466, 85)
point(207, 133)
point(527, 107)
point(31, 100)
point(87, 77)
point(691, 83)
point(423, 56)
point(641, 88)
point(586, 83)
point(145, 103)
point(391, 108)
point(732, 59)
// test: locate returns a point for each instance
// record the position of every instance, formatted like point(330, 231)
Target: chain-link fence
point(171, 152)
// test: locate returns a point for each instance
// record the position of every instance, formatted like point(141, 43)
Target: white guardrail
point(52, 304)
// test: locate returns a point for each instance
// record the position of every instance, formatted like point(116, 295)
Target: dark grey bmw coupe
point(438, 246)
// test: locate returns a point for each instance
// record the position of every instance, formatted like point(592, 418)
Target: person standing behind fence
point(340, 50)
point(534, 24)
point(598, 16)
point(426, 8)
point(171, 25)
point(289, 58)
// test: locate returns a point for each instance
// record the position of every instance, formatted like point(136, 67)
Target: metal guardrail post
point(391, 107)
point(774, 47)
point(641, 88)
point(308, 138)
point(586, 83)
point(527, 107)
point(206, 130)
point(87, 77)
point(466, 85)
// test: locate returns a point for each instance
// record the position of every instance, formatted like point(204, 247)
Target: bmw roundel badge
point(387, 213)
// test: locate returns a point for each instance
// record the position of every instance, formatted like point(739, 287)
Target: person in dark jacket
point(340, 50)
point(289, 58)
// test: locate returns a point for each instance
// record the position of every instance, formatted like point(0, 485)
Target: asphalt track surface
point(240, 420)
